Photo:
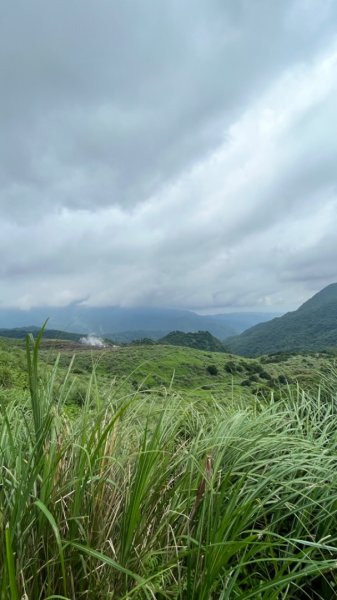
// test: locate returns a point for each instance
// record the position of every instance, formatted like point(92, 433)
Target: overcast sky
point(168, 153)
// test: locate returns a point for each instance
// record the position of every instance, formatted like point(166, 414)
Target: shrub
point(212, 370)
point(252, 367)
point(231, 367)
point(265, 375)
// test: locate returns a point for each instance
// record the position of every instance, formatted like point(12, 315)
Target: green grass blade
point(103, 558)
point(14, 595)
point(56, 532)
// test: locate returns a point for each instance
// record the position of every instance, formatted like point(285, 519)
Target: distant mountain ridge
point(20, 333)
point(142, 321)
point(313, 326)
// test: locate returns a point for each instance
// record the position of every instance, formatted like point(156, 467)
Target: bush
point(212, 370)
point(265, 375)
point(252, 367)
point(231, 367)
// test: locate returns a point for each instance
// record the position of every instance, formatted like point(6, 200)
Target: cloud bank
point(168, 154)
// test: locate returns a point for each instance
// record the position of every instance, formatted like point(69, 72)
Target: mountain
point(142, 321)
point(20, 333)
point(313, 326)
point(201, 340)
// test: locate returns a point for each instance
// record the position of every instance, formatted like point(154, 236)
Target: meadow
point(142, 473)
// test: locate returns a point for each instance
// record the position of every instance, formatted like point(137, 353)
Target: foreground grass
point(166, 497)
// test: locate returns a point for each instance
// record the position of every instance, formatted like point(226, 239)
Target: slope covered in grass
point(155, 369)
point(166, 497)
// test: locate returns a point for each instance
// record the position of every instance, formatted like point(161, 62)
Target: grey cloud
point(136, 163)
point(124, 97)
point(315, 264)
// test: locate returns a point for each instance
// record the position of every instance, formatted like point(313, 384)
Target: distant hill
point(130, 323)
point(313, 326)
point(200, 340)
point(20, 333)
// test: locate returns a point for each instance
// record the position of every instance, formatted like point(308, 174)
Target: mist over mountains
point(125, 324)
point(313, 326)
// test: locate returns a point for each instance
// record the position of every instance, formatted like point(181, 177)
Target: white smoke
point(92, 340)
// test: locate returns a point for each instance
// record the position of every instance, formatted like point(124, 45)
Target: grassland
point(119, 480)
point(156, 368)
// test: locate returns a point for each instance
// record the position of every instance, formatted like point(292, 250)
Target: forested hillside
point(201, 340)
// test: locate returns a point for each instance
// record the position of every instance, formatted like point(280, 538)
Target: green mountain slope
point(313, 326)
point(201, 340)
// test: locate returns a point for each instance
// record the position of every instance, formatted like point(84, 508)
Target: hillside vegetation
point(313, 326)
point(153, 369)
point(201, 340)
point(164, 496)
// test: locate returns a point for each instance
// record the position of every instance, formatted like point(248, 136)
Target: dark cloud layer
point(167, 153)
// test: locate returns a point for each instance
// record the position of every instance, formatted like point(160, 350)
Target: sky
point(174, 154)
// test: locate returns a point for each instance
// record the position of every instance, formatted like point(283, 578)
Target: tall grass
point(159, 498)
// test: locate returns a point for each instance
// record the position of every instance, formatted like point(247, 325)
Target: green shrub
point(231, 367)
point(265, 375)
point(212, 369)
